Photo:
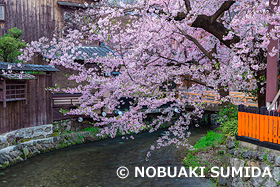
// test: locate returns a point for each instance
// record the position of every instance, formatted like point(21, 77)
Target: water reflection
point(95, 164)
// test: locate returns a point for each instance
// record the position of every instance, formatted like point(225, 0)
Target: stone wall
point(244, 154)
point(13, 137)
point(18, 145)
point(20, 152)
point(71, 125)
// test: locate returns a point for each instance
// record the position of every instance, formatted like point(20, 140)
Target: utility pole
point(272, 65)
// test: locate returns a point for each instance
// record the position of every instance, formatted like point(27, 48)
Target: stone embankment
point(14, 137)
point(249, 155)
point(17, 146)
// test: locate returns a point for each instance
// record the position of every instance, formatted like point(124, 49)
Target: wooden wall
point(37, 111)
point(37, 18)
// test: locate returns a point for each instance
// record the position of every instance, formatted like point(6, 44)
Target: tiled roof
point(71, 4)
point(78, 5)
point(26, 67)
point(109, 2)
point(18, 76)
point(116, 2)
point(90, 52)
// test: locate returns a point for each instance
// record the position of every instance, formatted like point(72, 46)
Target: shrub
point(230, 127)
point(10, 45)
point(227, 113)
point(192, 161)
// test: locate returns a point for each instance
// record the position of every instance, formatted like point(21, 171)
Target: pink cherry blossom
point(158, 42)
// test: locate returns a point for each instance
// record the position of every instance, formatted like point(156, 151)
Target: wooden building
point(38, 18)
point(24, 100)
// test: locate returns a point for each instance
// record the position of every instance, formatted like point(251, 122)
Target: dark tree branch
point(225, 6)
point(202, 49)
point(172, 62)
point(198, 82)
point(210, 24)
point(179, 64)
point(188, 5)
point(215, 28)
point(180, 16)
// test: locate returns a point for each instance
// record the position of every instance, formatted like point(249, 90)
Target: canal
point(95, 164)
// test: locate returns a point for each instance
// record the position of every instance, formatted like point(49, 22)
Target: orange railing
point(259, 124)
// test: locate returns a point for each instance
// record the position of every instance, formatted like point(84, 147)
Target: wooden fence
point(259, 124)
point(65, 100)
point(209, 97)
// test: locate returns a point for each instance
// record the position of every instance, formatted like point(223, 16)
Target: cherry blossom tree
point(219, 45)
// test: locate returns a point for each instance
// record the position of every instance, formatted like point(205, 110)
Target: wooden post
point(278, 128)
point(25, 92)
point(262, 122)
point(270, 127)
point(272, 64)
point(240, 120)
point(275, 127)
point(102, 108)
point(4, 94)
point(240, 124)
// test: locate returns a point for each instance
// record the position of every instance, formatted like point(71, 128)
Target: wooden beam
point(4, 94)
point(272, 65)
point(25, 92)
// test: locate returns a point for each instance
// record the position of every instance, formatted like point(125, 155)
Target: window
point(15, 90)
point(2, 12)
point(13, 87)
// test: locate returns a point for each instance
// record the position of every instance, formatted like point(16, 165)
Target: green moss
point(89, 129)
point(212, 139)
point(4, 165)
point(55, 134)
point(236, 143)
point(26, 140)
point(265, 156)
point(81, 136)
point(79, 141)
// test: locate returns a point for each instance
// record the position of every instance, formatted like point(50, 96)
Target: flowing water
point(95, 164)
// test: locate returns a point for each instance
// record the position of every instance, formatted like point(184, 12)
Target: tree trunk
point(261, 99)
point(261, 96)
point(223, 94)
